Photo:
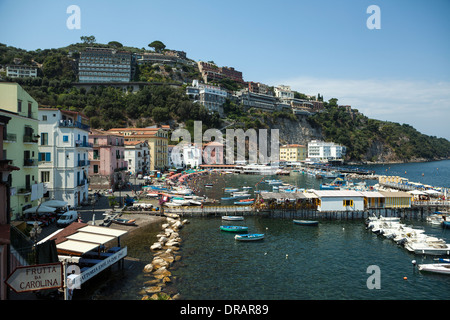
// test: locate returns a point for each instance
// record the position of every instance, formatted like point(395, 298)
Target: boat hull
point(249, 237)
point(441, 268)
point(306, 222)
point(232, 218)
point(233, 228)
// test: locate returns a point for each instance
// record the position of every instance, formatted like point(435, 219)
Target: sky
point(398, 72)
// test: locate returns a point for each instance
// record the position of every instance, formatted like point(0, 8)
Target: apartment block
point(64, 155)
point(210, 72)
point(293, 152)
point(20, 145)
point(320, 151)
point(104, 65)
point(108, 167)
point(137, 156)
point(21, 71)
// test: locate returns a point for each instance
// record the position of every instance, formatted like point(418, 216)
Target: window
point(348, 203)
point(65, 138)
point(45, 176)
point(95, 168)
point(44, 139)
point(44, 156)
point(44, 118)
point(19, 105)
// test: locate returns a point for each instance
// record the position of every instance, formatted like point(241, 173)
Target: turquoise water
point(328, 262)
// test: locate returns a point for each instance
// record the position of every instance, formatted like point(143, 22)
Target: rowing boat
point(234, 228)
point(249, 237)
point(233, 218)
point(306, 222)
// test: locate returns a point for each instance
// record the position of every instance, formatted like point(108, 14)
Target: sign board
point(36, 277)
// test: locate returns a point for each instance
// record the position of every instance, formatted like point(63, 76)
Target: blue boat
point(249, 237)
point(306, 222)
point(234, 228)
point(446, 224)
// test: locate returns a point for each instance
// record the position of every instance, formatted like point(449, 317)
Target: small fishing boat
point(234, 228)
point(230, 190)
point(126, 222)
point(233, 218)
point(441, 268)
point(249, 237)
point(208, 185)
point(306, 222)
point(246, 188)
point(243, 203)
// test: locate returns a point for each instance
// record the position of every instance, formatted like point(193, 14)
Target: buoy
point(405, 278)
point(287, 256)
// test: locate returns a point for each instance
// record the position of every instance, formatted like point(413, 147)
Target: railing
point(30, 162)
point(10, 137)
point(84, 144)
point(30, 138)
point(73, 124)
point(23, 190)
point(82, 163)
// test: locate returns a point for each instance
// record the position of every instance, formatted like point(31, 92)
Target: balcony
point(82, 163)
point(23, 191)
point(30, 162)
point(30, 138)
point(83, 144)
point(10, 137)
point(73, 124)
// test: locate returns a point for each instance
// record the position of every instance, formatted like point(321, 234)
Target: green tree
point(157, 45)
point(88, 39)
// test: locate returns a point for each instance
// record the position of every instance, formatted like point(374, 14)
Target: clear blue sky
point(398, 73)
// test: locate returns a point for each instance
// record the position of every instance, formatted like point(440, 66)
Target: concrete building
point(186, 155)
point(323, 151)
point(210, 72)
point(293, 152)
point(21, 71)
point(21, 146)
point(157, 139)
point(261, 101)
point(108, 168)
point(64, 155)
point(211, 97)
point(104, 65)
point(137, 156)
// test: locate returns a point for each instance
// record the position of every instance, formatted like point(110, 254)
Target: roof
point(337, 193)
point(395, 194)
point(282, 195)
point(293, 146)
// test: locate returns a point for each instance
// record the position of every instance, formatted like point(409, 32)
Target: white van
point(67, 218)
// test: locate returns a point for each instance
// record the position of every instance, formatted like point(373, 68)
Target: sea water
point(333, 261)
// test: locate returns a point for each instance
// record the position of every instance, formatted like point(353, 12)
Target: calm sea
point(328, 262)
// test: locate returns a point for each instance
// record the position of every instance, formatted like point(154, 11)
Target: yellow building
point(21, 146)
point(293, 152)
point(157, 139)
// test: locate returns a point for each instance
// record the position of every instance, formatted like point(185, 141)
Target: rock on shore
point(164, 256)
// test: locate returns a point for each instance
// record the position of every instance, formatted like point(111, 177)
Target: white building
point(339, 200)
point(63, 155)
point(185, 155)
point(137, 155)
point(21, 71)
point(320, 150)
point(211, 97)
point(284, 93)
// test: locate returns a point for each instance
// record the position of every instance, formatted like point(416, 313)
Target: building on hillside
point(21, 146)
point(157, 139)
point(21, 71)
point(210, 72)
point(108, 168)
point(104, 65)
point(293, 152)
point(260, 101)
point(64, 155)
point(325, 151)
point(257, 87)
point(138, 157)
point(211, 97)
point(283, 92)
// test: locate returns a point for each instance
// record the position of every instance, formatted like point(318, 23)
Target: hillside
point(367, 140)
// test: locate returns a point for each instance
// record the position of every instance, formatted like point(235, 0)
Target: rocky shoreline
point(165, 253)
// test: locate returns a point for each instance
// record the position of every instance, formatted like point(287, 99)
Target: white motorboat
point(441, 268)
point(428, 246)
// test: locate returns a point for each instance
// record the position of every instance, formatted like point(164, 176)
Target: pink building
point(108, 169)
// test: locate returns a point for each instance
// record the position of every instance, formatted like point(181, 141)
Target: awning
point(55, 203)
point(41, 209)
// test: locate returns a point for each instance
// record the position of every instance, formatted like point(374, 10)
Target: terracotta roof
point(134, 142)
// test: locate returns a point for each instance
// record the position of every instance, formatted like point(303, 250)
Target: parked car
point(67, 218)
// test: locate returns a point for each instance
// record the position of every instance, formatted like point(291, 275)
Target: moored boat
point(307, 222)
point(233, 218)
point(126, 222)
point(234, 228)
point(249, 237)
point(441, 268)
